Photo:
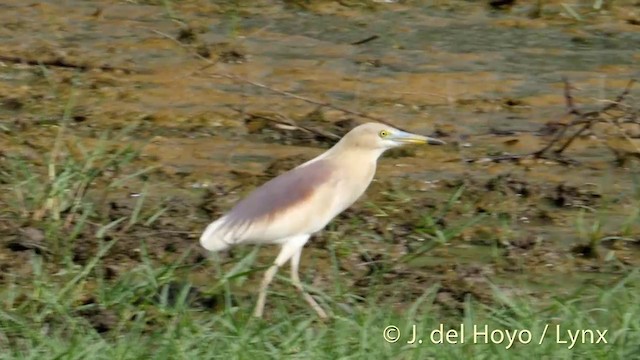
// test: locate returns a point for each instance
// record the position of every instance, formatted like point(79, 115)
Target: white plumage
point(290, 208)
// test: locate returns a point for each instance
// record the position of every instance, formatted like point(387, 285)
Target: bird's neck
point(353, 156)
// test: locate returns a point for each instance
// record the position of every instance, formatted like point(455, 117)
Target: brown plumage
point(288, 209)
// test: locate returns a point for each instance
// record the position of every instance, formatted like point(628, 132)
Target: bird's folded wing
point(293, 203)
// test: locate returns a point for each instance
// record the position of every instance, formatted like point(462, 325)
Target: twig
point(365, 40)
point(283, 120)
point(594, 116)
point(211, 63)
point(577, 134)
point(571, 109)
point(498, 158)
point(569, 98)
point(516, 157)
point(620, 97)
point(303, 98)
point(63, 63)
point(585, 120)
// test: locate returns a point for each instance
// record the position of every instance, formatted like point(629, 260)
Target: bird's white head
point(376, 136)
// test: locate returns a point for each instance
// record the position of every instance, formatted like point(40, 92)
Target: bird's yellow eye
point(384, 133)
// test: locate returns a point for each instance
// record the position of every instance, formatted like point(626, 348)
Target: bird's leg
point(262, 296)
point(295, 278)
point(288, 250)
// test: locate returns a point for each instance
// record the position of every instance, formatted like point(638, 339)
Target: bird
point(288, 209)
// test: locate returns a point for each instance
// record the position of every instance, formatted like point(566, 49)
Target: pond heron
point(290, 208)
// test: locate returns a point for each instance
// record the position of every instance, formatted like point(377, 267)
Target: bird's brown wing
point(281, 193)
point(293, 203)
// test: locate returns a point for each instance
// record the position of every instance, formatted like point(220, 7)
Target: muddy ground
point(485, 78)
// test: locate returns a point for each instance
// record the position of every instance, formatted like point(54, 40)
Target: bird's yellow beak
point(409, 138)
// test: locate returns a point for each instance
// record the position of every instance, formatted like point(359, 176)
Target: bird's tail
point(211, 238)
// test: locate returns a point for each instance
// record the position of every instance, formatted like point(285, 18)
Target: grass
point(43, 321)
point(48, 316)
point(67, 310)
